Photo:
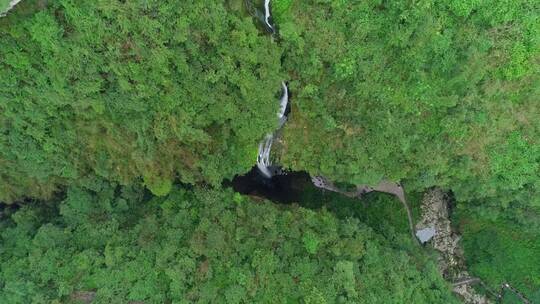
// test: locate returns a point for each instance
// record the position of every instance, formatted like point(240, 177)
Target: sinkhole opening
point(380, 207)
point(284, 188)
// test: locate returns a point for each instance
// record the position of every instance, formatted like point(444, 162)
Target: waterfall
point(283, 102)
point(265, 146)
point(263, 158)
point(267, 15)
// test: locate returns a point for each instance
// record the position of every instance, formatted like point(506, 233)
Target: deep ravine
point(272, 182)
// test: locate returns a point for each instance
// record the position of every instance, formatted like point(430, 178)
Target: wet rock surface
point(451, 261)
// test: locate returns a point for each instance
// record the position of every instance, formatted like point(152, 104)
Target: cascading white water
point(267, 15)
point(283, 102)
point(263, 158)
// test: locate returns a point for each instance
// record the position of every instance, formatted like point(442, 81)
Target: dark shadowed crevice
point(283, 188)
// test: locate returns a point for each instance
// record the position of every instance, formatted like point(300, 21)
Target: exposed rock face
point(451, 261)
point(426, 234)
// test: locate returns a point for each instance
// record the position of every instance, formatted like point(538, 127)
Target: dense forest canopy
point(124, 90)
point(436, 94)
point(203, 246)
point(501, 251)
point(439, 93)
point(121, 120)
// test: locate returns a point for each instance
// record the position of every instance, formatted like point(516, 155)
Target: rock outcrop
point(451, 261)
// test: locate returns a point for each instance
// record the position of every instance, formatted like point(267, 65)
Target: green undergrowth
point(499, 251)
point(4, 4)
point(122, 90)
point(380, 211)
point(203, 246)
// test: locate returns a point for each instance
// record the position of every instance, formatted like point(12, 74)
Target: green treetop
point(122, 90)
point(434, 92)
point(203, 247)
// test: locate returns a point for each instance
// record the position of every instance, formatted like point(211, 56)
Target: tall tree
point(121, 90)
point(433, 92)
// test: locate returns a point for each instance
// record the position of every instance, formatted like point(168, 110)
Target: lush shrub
point(123, 90)
point(203, 246)
point(441, 93)
point(500, 252)
point(437, 93)
point(4, 4)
